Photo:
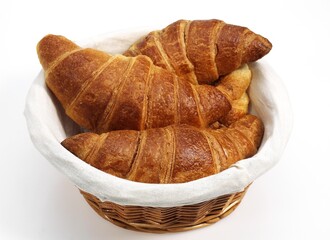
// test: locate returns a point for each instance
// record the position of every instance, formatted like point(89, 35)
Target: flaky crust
point(102, 92)
point(201, 51)
point(172, 154)
point(235, 85)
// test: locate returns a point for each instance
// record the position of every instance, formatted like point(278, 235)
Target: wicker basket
point(166, 219)
point(155, 208)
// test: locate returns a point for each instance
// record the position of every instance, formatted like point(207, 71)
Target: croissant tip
point(48, 39)
point(266, 45)
point(255, 126)
point(259, 47)
point(51, 46)
point(80, 144)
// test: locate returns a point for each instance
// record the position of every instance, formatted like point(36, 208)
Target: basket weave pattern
point(166, 219)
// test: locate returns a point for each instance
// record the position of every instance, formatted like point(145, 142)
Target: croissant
point(173, 154)
point(101, 92)
point(235, 85)
point(238, 110)
point(200, 51)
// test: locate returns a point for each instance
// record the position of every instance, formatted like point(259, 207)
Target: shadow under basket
point(166, 219)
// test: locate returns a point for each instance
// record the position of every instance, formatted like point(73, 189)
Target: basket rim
point(121, 191)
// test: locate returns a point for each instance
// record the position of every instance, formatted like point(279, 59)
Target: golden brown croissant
point(101, 92)
point(200, 51)
point(172, 154)
point(238, 110)
point(235, 85)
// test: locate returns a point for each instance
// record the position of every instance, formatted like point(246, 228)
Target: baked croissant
point(238, 110)
point(235, 85)
point(200, 51)
point(174, 154)
point(101, 92)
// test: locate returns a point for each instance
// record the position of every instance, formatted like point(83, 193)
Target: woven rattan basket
point(165, 207)
point(166, 219)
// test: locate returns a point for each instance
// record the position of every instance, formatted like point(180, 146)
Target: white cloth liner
point(48, 126)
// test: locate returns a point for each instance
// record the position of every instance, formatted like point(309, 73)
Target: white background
point(291, 201)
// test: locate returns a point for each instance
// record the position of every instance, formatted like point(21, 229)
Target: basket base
point(166, 219)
